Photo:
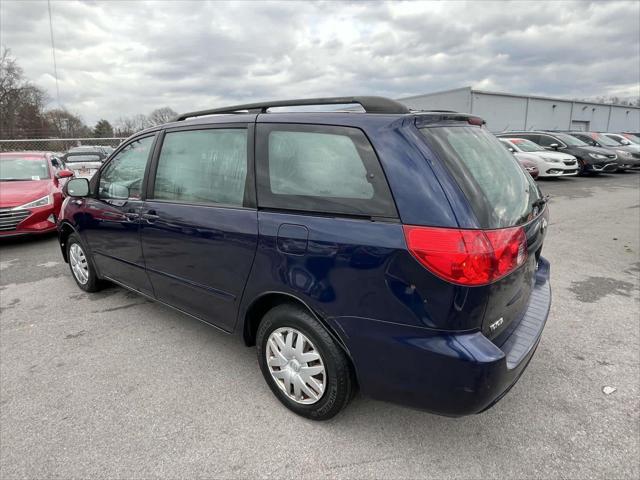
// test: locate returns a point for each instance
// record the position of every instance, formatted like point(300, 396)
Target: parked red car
point(30, 192)
point(529, 166)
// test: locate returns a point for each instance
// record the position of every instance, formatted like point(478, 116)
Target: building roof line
point(437, 93)
point(555, 99)
point(515, 95)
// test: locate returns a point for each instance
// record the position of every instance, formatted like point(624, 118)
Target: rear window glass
point(83, 158)
point(322, 169)
point(499, 191)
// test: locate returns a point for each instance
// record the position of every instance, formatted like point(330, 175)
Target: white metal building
point(506, 111)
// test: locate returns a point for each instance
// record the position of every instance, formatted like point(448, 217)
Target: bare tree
point(64, 124)
point(162, 115)
point(21, 103)
point(126, 126)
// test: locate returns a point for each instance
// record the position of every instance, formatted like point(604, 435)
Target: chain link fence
point(60, 145)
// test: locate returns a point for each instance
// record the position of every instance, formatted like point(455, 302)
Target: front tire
point(302, 364)
point(81, 266)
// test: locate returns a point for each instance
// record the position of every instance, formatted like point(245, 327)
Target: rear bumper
point(445, 373)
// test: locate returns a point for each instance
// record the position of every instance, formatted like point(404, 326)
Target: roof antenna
point(53, 53)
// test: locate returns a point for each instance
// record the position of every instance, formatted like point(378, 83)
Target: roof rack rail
point(369, 104)
point(428, 110)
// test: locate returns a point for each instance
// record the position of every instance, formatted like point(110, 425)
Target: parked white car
point(83, 164)
point(549, 163)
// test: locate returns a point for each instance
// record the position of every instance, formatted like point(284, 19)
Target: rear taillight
point(468, 257)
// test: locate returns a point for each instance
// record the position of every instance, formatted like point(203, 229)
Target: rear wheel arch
point(267, 301)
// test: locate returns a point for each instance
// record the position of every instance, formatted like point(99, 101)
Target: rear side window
point(499, 191)
point(203, 166)
point(322, 169)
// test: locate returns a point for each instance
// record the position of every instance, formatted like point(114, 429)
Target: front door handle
point(151, 216)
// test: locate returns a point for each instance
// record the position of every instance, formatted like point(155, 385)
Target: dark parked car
point(103, 149)
point(84, 164)
point(624, 139)
point(590, 159)
point(394, 251)
point(628, 156)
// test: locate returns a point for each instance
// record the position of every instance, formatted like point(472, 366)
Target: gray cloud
point(121, 58)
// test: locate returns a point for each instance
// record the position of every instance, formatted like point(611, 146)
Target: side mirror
point(511, 149)
point(64, 174)
point(76, 187)
point(624, 141)
point(555, 146)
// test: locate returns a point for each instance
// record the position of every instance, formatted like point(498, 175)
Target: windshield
point(499, 191)
point(569, 140)
point(83, 158)
point(526, 145)
point(604, 140)
point(17, 168)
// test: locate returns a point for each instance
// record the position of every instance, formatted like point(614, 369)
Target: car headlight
point(597, 156)
point(41, 202)
point(551, 160)
point(624, 153)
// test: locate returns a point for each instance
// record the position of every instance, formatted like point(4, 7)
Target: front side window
point(569, 140)
point(321, 169)
point(203, 166)
point(122, 178)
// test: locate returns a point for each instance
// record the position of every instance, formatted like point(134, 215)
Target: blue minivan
point(375, 248)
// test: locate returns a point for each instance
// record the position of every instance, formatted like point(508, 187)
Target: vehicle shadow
point(26, 239)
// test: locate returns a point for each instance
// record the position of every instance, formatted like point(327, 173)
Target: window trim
point(94, 184)
point(263, 182)
point(249, 200)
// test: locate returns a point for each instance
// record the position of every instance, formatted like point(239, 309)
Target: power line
point(53, 53)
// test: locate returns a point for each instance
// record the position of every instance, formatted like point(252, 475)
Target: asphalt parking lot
point(111, 385)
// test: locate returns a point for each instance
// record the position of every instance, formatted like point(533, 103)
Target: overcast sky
point(120, 58)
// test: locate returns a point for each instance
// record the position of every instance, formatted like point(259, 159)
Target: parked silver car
point(550, 164)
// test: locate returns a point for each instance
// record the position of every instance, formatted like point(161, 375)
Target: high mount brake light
point(468, 257)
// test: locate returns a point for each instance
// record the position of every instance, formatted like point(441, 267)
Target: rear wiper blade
point(541, 202)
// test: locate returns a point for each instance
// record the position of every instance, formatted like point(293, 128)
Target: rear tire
point(81, 266)
point(303, 365)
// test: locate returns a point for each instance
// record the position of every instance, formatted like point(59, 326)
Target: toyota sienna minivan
point(384, 250)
